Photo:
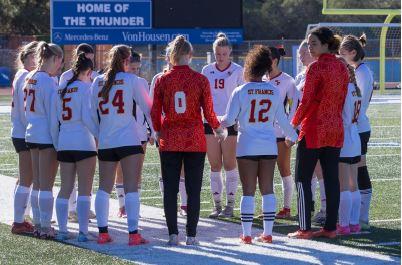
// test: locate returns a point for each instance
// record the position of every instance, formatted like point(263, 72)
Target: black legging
point(306, 160)
point(193, 170)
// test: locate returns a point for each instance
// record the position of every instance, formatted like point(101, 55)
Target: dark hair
point(117, 55)
point(352, 75)
point(277, 52)
point(351, 42)
point(24, 51)
point(82, 48)
point(135, 57)
point(327, 36)
point(80, 65)
point(258, 62)
point(45, 51)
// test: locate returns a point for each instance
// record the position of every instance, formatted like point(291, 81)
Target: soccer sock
point(35, 207)
point(365, 192)
point(216, 187)
point(268, 209)
point(182, 192)
point(323, 198)
point(247, 214)
point(83, 208)
point(161, 185)
point(20, 203)
point(62, 213)
point(232, 180)
point(72, 201)
point(28, 207)
point(132, 210)
point(46, 201)
point(314, 182)
point(354, 218)
point(287, 188)
point(345, 208)
point(120, 194)
point(102, 208)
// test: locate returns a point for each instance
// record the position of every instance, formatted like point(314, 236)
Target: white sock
point(72, 201)
point(182, 192)
point(287, 188)
point(120, 194)
point(46, 201)
point(83, 208)
point(345, 208)
point(102, 208)
point(28, 208)
point(62, 213)
point(323, 198)
point(314, 182)
point(132, 210)
point(232, 180)
point(365, 205)
point(247, 206)
point(268, 209)
point(20, 203)
point(161, 185)
point(356, 198)
point(35, 207)
point(216, 187)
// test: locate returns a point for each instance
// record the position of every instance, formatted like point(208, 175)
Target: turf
point(383, 162)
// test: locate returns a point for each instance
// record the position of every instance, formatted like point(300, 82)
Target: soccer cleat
point(92, 215)
point(173, 240)
point(122, 212)
point(82, 237)
point(192, 241)
point(24, 228)
point(136, 239)
point(104, 238)
point(227, 212)
point(364, 226)
point(342, 230)
point(36, 230)
point(183, 210)
point(319, 218)
point(246, 239)
point(62, 236)
point(47, 233)
point(301, 234)
point(325, 233)
point(283, 214)
point(355, 228)
point(72, 217)
point(263, 238)
point(215, 212)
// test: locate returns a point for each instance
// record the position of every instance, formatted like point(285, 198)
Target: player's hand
point(221, 134)
point(157, 137)
point(151, 141)
point(289, 143)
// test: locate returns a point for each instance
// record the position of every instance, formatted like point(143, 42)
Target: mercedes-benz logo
point(58, 37)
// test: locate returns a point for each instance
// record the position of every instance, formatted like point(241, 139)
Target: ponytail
point(45, 51)
point(277, 52)
point(23, 53)
point(221, 41)
point(351, 42)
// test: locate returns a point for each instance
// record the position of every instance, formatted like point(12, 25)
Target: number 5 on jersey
point(180, 102)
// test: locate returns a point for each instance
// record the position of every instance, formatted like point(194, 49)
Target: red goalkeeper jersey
point(182, 94)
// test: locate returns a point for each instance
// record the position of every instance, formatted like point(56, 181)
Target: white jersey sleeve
point(152, 88)
point(19, 93)
point(284, 123)
point(365, 82)
point(292, 96)
point(54, 120)
point(141, 97)
point(232, 109)
point(87, 113)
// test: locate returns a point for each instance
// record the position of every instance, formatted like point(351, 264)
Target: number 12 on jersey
point(262, 113)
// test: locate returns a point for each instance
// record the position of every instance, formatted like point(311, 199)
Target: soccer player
point(182, 94)
point(40, 88)
point(321, 134)
point(349, 203)
point(256, 105)
point(26, 63)
point(113, 96)
point(224, 76)
point(64, 78)
point(73, 132)
point(352, 50)
point(288, 96)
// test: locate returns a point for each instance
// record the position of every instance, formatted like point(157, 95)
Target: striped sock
point(268, 209)
point(247, 206)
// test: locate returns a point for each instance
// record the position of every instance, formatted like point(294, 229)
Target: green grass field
point(383, 162)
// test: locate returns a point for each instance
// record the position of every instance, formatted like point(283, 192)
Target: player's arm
point(86, 112)
point(283, 121)
point(54, 121)
point(94, 104)
point(140, 95)
point(207, 104)
point(293, 96)
point(232, 110)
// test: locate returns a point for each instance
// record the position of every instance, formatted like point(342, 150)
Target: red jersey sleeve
point(156, 110)
point(207, 104)
point(309, 92)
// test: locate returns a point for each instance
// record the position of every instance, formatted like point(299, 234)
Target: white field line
point(386, 221)
point(386, 126)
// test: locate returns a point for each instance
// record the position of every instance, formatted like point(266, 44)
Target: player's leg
point(232, 175)
point(283, 162)
point(356, 199)
point(319, 218)
point(214, 154)
point(120, 191)
point(35, 190)
point(248, 171)
point(364, 182)
point(345, 200)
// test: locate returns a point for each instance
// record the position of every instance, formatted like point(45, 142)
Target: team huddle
point(245, 120)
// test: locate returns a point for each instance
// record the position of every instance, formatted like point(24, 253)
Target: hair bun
point(281, 50)
point(221, 35)
point(363, 39)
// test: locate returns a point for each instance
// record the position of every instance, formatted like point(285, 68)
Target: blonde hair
point(46, 51)
point(178, 48)
point(221, 41)
point(23, 53)
point(116, 55)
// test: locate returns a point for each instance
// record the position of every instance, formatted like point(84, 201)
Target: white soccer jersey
point(19, 94)
point(222, 83)
point(140, 117)
point(365, 81)
point(256, 106)
point(40, 87)
point(299, 82)
point(67, 75)
point(287, 94)
point(117, 125)
point(152, 88)
point(350, 115)
point(72, 126)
